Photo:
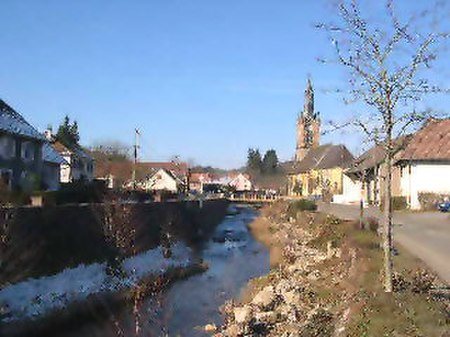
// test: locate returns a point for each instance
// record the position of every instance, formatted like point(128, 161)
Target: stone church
point(317, 171)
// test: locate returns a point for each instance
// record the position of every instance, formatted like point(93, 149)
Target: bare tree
point(387, 61)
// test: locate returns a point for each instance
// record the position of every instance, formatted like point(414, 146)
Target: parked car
point(444, 206)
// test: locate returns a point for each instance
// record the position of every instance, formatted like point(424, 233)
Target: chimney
point(48, 134)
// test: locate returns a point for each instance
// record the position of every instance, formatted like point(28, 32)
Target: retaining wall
point(37, 241)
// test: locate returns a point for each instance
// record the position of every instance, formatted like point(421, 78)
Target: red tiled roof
point(432, 142)
point(60, 147)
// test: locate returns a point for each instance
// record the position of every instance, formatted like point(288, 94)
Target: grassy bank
point(325, 281)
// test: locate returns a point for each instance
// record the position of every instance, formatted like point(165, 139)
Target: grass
point(402, 313)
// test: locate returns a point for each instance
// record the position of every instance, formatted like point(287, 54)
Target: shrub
point(77, 192)
point(371, 224)
point(400, 283)
point(422, 281)
point(398, 203)
point(14, 198)
point(429, 201)
point(301, 205)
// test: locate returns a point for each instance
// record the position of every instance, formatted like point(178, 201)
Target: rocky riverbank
point(324, 282)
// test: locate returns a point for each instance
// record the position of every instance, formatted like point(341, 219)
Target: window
point(7, 147)
point(5, 180)
point(28, 151)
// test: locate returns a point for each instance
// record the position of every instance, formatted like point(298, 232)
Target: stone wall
point(37, 241)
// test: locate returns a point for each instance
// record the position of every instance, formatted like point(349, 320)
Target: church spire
point(308, 110)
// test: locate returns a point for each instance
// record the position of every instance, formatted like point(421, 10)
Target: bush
point(77, 192)
point(15, 198)
point(422, 281)
point(301, 205)
point(398, 203)
point(429, 201)
point(371, 224)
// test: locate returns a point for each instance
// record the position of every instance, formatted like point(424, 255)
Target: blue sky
point(202, 79)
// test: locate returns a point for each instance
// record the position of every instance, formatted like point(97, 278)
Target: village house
point(120, 174)
point(164, 180)
point(21, 152)
point(240, 182)
point(198, 179)
point(78, 164)
point(424, 164)
point(421, 167)
point(363, 180)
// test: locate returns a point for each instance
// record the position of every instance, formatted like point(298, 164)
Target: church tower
point(308, 125)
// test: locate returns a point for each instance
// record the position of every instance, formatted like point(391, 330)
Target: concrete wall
point(43, 241)
point(430, 177)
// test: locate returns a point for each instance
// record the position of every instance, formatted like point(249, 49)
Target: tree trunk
point(387, 220)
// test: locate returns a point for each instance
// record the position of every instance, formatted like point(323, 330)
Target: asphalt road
point(424, 234)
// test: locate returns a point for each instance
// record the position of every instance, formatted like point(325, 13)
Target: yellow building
point(320, 173)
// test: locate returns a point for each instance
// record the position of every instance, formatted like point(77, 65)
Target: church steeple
point(308, 125)
point(308, 109)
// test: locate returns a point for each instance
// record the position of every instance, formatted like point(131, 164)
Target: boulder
point(265, 299)
point(292, 297)
point(210, 328)
point(270, 317)
point(242, 315)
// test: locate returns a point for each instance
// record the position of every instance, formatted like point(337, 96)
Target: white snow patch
point(35, 297)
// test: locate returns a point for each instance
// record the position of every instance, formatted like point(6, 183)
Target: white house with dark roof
point(77, 163)
point(164, 180)
point(21, 151)
point(424, 163)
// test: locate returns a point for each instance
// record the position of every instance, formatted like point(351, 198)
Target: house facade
point(366, 175)
point(164, 180)
point(424, 164)
point(241, 182)
point(21, 151)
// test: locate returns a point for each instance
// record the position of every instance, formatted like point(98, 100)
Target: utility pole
point(136, 147)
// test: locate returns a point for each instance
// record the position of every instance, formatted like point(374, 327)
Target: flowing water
point(234, 257)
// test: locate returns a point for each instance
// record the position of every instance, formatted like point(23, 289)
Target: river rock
point(291, 297)
point(269, 317)
point(242, 314)
point(210, 328)
point(283, 286)
point(265, 298)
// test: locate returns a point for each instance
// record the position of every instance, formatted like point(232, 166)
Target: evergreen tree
point(270, 162)
point(68, 134)
point(254, 162)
